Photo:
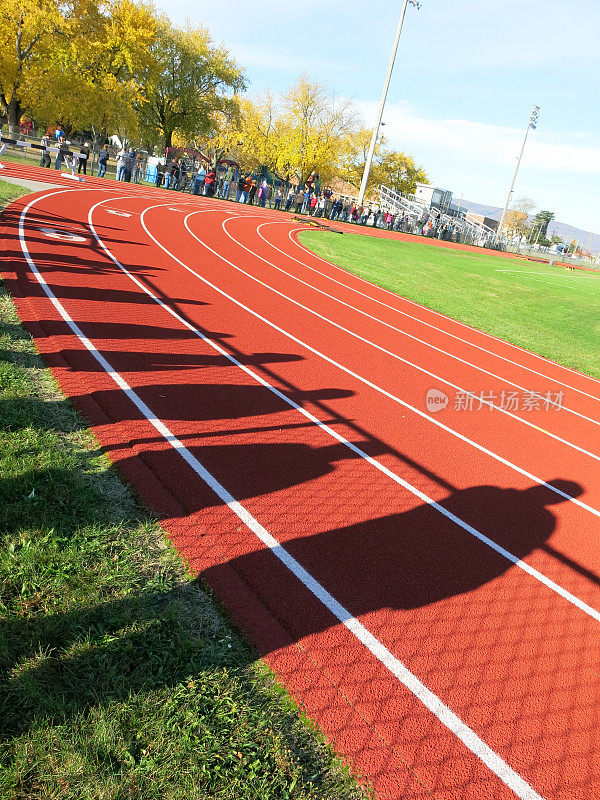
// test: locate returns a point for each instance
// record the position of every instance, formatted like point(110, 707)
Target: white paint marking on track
point(358, 377)
point(416, 339)
point(433, 703)
point(445, 317)
point(417, 319)
point(64, 236)
point(117, 213)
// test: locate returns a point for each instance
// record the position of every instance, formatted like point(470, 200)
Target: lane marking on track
point(64, 236)
point(430, 700)
point(358, 377)
point(410, 336)
point(117, 213)
point(306, 251)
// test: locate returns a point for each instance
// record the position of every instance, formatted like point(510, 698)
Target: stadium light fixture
point(367, 170)
point(533, 121)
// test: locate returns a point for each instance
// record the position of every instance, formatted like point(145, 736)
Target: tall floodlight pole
point(374, 137)
point(533, 119)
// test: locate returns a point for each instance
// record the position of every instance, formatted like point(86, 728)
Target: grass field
point(120, 677)
point(549, 310)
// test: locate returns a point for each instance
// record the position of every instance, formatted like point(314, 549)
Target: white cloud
point(406, 129)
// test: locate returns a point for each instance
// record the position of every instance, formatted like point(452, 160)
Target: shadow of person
point(413, 559)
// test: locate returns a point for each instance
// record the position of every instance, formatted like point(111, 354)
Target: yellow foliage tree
point(311, 131)
point(29, 30)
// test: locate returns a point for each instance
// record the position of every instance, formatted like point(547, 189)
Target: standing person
point(121, 160)
point(290, 198)
point(84, 154)
point(209, 183)
point(300, 201)
point(305, 201)
point(278, 198)
point(226, 187)
point(168, 174)
point(262, 193)
point(130, 162)
point(252, 192)
point(199, 180)
point(240, 189)
point(45, 155)
point(62, 147)
point(103, 161)
point(160, 172)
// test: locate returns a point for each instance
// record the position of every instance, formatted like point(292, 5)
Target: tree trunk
point(14, 114)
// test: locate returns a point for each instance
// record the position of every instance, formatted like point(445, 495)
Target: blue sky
point(466, 76)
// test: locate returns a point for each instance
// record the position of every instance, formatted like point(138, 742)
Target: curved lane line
point(366, 381)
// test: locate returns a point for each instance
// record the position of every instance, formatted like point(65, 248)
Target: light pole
point(533, 118)
point(365, 177)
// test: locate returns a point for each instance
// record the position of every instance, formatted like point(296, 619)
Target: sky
point(466, 76)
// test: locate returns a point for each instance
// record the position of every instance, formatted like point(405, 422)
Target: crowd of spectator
point(228, 182)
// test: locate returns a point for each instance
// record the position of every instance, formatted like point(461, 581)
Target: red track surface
point(464, 668)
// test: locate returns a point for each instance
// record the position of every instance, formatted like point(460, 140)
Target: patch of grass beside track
point(9, 192)
point(119, 675)
point(552, 312)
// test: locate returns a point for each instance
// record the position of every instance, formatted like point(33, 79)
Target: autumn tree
point(313, 124)
point(396, 170)
point(94, 81)
point(29, 31)
point(193, 80)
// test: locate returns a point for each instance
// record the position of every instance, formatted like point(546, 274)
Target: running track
point(426, 584)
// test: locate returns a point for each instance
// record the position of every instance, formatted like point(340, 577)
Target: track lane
point(321, 445)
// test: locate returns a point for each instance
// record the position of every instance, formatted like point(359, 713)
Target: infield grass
point(548, 310)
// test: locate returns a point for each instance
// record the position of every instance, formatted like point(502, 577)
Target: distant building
point(433, 196)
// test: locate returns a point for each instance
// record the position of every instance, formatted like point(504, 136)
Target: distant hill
point(566, 232)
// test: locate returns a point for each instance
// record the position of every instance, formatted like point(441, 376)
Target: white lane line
point(355, 375)
point(408, 335)
point(403, 299)
point(117, 213)
point(431, 701)
point(381, 349)
point(548, 282)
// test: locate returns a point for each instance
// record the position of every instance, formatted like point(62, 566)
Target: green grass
point(553, 312)
point(8, 192)
point(119, 675)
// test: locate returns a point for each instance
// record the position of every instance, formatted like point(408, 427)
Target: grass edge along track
point(120, 676)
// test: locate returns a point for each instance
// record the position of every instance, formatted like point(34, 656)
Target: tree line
point(117, 66)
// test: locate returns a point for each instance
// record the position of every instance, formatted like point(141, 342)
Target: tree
point(29, 29)
point(539, 227)
point(193, 80)
point(313, 125)
point(94, 81)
